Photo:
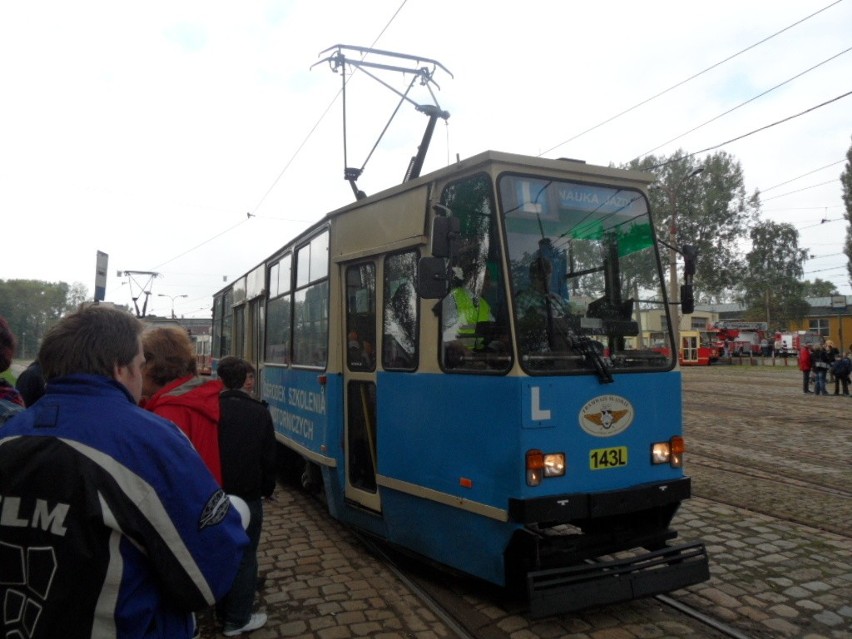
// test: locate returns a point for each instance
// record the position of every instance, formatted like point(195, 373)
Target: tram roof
point(502, 161)
point(497, 162)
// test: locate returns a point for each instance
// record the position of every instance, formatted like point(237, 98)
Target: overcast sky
point(149, 130)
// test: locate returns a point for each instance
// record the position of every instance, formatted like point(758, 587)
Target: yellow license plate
point(602, 458)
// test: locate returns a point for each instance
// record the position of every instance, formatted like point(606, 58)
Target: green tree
point(846, 184)
point(77, 294)
point(818, 288)
point(709, 210)
point(772, 289)
point(32, 306)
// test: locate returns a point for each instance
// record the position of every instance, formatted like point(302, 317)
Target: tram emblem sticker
point(606, 416)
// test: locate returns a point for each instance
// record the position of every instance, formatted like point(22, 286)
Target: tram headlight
point(670, 452)
point(542, 465)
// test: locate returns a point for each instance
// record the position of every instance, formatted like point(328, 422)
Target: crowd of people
point(822, 364)
point(132, 488)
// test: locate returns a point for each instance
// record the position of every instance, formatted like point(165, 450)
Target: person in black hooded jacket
point(247, 450)
point(30, 383)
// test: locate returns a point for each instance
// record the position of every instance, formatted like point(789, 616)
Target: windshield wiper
point(586, 347)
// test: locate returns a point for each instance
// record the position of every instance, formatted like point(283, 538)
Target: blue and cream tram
point(457, 362)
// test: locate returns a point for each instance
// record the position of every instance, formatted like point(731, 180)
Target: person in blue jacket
point(111, 526)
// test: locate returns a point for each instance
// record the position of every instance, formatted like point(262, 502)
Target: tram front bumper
point(572, 588)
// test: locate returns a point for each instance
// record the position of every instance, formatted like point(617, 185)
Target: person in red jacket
point(173, 389)
point(805, 367)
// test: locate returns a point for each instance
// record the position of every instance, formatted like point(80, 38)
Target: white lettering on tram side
point(538, 414)
point(289, 422)
point(307, 400)
point(274, 392)
point(300, 398)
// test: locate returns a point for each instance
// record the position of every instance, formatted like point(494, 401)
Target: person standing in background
point(820, 364)
point(805, 366)
point(30, 383)
point(841, 368)
point(251, 379)
point(8, 393)
point(173, 390)
point(247, 445)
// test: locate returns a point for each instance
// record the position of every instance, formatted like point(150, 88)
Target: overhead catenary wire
point(207, 241)
point(322, 116)
point(742, 104)
point(690, 78)
point(804, 188)
point(754, 131)
point(822, 168)
point(824, 270)
point(313, 129)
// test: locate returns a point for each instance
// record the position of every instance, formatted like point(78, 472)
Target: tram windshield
point(582, 266)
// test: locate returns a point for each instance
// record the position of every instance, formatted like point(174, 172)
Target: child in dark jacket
point(841, 368)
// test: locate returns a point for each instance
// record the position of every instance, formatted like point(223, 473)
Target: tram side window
point(400, 314)
point(217, 327)
point(361, 317)
point(240, 331)
point(474, 315)
point(227, 322)
point(310, 303)
point(278, 312)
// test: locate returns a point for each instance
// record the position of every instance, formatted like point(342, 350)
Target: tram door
point(359, 376)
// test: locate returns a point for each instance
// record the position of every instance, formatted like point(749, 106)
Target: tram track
point(725, 629)
point(800, 503)
point(717, 462)
point(769, 460)
point(443, 612)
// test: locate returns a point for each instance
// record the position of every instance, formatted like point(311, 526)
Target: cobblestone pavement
point(322, 583)
point(769, 577)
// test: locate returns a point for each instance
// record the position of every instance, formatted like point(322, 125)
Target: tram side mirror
point(432, 280)
point(445, 236)
point(687, 300)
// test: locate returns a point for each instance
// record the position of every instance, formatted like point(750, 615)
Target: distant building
point(652, 331)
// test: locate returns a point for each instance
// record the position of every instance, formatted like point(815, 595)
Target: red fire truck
point(740, 337)
point(788, 344)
